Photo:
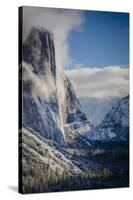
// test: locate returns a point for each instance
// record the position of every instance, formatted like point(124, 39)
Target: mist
point(60, 22)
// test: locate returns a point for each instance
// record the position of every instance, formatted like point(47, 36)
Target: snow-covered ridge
point(97, 108)
point(42, 149)
point(119, 114)
point(115, 125)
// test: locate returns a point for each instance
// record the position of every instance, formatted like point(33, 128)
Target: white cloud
point(37, 81)
point(59, 21)
point(92, 82)
point(100, 82)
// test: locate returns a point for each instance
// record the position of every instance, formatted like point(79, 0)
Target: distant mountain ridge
point(96, 108)
point(115, 125)
point(117, 119)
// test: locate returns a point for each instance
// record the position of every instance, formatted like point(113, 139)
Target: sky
point(102, 41)
point(91, 47)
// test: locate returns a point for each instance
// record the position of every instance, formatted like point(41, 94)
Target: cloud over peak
point(100, 82)
point(59, 21)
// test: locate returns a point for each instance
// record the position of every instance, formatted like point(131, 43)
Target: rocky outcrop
point(73, 108)
point(44, 110)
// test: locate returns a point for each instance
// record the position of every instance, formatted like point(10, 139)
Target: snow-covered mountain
point(57, 142)
point(117, 119)
point(40, 149)
point(96, 108)
point(115, 125)
point(49, 100)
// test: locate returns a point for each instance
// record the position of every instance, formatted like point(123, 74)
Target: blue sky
point(96, 42)
point(103, 40)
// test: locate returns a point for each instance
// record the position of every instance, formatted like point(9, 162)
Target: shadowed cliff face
point(73, 111)
point(38, 50)
point(43, 109)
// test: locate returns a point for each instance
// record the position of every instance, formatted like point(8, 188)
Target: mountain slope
point(42, 149)
point(96, 108)
point(115, 125)
point(119, 114)
point(117, 120)
point(73, 108)
point(42, 162)
point(45, 106)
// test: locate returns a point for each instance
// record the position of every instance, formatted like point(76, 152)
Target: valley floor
point(50, 168)
point(103, 166)
point(46, 167)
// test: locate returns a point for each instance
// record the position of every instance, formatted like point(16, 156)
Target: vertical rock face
point(38, 50)
point(43, 110)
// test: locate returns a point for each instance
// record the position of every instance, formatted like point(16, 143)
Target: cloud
point(59, 21)
point(103, 82)
point(48, 88)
